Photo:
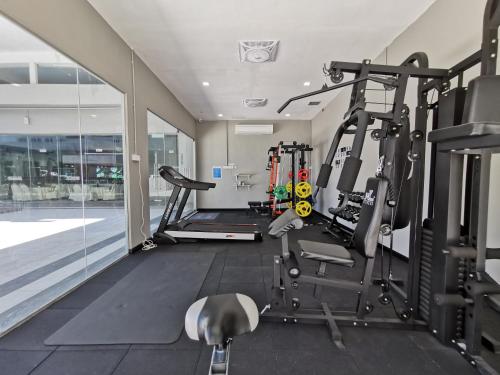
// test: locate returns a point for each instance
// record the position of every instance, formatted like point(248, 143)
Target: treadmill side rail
point(214, 235)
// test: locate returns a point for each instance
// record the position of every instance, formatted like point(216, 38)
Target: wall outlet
point(136, 157)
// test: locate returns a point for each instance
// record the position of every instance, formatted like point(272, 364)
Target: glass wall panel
point(187, 165)
point(62, 214)
point(14, 74)
point(103, 177)
point(167, 146)
point(56, 74)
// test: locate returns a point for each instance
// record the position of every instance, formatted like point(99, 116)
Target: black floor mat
point(146, 307)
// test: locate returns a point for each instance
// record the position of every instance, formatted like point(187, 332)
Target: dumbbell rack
point(349, 213)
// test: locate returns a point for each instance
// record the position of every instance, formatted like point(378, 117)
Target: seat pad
point(325, 252)
point(221, 317)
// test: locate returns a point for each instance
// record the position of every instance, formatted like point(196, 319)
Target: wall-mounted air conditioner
point(253, 129)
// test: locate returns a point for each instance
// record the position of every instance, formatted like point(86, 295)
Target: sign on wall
point(217, 173)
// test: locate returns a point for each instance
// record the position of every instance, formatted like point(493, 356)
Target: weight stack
point(424, 305)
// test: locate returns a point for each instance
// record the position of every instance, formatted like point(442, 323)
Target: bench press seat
point(325, 252)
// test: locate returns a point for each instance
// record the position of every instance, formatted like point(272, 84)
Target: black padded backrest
point(221, 317)
point(287, 221)
point(370, 217)
point(397, 170)
point(481, 102)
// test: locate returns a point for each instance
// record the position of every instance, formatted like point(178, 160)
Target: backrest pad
point(370, 217)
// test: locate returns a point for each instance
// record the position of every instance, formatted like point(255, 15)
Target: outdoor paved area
point(45, 251)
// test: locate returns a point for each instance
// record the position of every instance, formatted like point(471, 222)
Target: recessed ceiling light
point(93, 115)
point(307, 83)
point(287, 115)
point(220, 115)
point(205, 83)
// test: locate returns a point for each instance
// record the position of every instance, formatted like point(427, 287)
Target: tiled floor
point(272, 349)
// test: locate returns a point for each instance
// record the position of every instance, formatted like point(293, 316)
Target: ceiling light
point(205, 83)
point(307, 83)
point(220, 115)
point(287, 115)
point(93, 115)
point(15, 84)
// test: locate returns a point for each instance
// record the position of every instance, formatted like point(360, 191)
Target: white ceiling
point(186, 42)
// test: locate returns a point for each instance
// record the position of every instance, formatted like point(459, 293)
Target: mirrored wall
point(62, 212)
point(167, 146)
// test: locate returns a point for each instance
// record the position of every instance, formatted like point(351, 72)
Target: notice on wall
point(217, 173)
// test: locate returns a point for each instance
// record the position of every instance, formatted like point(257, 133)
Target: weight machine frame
point(433, 263)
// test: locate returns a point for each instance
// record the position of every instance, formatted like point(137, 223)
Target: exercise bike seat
point(217, 319)
point(325, 252)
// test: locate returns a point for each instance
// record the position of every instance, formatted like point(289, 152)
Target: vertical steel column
point(416, 206)
point(447, 218)
point(482, 220)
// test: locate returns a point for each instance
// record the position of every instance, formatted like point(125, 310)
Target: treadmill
point(187, 228)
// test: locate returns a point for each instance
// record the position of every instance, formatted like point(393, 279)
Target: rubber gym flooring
point(273, 348)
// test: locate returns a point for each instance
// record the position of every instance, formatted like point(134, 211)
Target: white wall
point(448, 31)
point(247, 152)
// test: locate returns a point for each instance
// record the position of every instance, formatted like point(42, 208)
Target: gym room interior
point(249, 187)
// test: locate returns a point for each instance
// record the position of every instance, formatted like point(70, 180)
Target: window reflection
point(167, 146)
point(62, 211)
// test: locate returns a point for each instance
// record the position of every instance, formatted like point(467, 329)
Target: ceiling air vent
point(314, 103)
point(251, 129)
point(254, 102)
point(258, 51)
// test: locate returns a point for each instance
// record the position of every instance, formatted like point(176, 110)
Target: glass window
point(66, 75)
point(62, 211)
point(167, 146)
point(87, 78)
point(15, 74)
point(56, 74)
point(14, 166)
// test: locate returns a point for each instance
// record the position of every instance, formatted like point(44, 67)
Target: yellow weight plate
point(303, 189)
point(303, 208)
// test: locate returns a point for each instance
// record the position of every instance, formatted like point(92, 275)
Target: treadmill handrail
point(175, 178)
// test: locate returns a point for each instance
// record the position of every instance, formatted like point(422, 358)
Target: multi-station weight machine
point(447, 286)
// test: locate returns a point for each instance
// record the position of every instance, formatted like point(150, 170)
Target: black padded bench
point(325, 252)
